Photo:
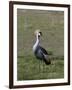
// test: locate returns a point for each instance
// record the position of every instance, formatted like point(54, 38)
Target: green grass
point(29, 68)
point(51, 23)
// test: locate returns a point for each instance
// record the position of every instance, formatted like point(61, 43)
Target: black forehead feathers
point(40, 33)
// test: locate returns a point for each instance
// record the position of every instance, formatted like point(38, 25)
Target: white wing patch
point(46, 56)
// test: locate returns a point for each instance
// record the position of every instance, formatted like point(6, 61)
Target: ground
point(51, 24)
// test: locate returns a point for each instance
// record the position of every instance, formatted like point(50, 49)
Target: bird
point(39, 52)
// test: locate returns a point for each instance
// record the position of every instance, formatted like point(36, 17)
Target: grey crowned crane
point(39, 51)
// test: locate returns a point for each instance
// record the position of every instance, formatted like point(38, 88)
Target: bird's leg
point(43, 66)
point(39, 66)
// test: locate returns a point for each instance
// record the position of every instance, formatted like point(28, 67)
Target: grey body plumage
point(39, 51)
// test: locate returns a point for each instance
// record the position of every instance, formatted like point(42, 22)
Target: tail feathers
point(47, 62)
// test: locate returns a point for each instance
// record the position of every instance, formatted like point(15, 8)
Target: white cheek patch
point(39, 34)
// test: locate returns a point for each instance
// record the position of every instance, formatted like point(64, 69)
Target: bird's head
point(38, 33)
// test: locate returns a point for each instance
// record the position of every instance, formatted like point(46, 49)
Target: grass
point(31, 68)
point(51, 23)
